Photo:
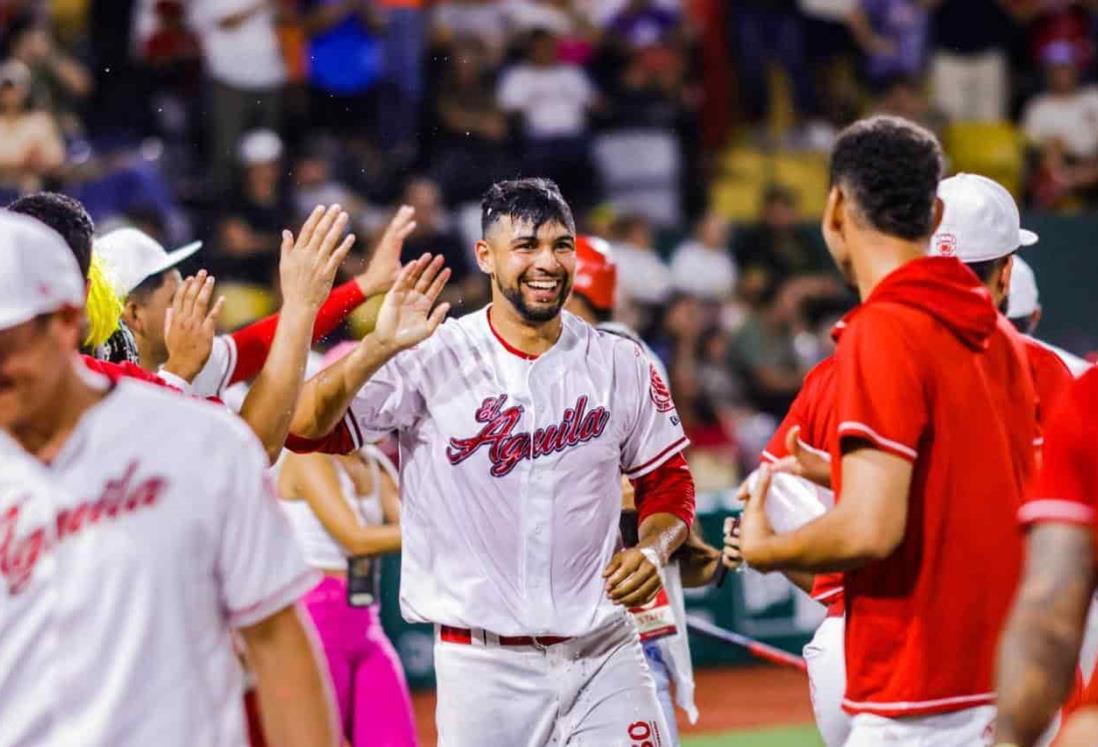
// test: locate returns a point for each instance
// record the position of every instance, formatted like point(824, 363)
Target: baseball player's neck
point(875, 255)
point(48, 428)
point(520, 334)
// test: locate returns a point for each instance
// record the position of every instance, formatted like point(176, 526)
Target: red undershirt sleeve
point(667, 489)
point(253, 343)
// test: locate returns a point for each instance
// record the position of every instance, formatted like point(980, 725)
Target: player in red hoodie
point(932, 446)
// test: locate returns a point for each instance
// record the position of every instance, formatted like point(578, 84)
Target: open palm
point(406, 317)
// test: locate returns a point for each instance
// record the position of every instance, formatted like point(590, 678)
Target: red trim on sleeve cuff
point(1055, 511)
point(668, 489)
point(861, 430)
point(281, 598)
point(637, 472)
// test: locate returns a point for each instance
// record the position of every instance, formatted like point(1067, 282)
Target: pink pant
point(367, 678)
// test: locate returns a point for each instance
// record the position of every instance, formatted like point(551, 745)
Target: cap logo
point(947, 245)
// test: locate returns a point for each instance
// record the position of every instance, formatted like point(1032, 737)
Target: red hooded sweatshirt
point(926, 373)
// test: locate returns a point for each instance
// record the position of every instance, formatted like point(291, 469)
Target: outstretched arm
point(253, 342)
point(1040, 645)
point(405, 319)
point(867, 523)
point(307, 268)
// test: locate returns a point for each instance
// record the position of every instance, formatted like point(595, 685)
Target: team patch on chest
point(506, 448)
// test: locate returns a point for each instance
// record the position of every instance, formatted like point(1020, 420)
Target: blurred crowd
point(228, 120)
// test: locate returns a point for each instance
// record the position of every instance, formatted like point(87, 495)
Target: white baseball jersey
point(29, 643)
point(167, 534)
point(214, 376)
point(510, 471)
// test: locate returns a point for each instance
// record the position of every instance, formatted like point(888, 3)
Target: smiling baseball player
point(160, 536)
point(515, 425)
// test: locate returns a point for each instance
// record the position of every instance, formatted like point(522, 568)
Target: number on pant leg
point(640, 731)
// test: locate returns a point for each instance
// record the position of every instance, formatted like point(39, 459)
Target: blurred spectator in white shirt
point(702, 266)
point(1062, 123)
point(246, 69)
point(30, 143)
point(642, 275)
point(552, 99)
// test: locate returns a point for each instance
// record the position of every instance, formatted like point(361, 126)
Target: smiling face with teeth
point(531, 267)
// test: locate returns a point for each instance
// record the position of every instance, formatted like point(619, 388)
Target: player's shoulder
point(821, 375)
point(1084, 391)
point(151, 409)
point(1044, 357)
point(612, 338)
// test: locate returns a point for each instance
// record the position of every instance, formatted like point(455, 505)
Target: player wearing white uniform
point(661, 623)
point(159, 536)
point(1024, 311)
point(145, 278)
point(515, 426)
point(28, 602)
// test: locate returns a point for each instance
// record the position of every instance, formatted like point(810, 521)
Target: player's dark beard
point(513, 293)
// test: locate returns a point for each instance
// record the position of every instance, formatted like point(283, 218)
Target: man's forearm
point(294, 703)
point(663, 533)
point(831, 542)
point(326, 397)
point(1040, 645)
point(280, 380)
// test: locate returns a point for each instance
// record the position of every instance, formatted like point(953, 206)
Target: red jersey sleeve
point(667, 489)
point(775, 448)
point(253, 343)
point(879, 390)
point(1065, 487)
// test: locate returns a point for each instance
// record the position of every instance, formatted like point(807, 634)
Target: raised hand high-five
point(384, 265)
point(406, 317)
point(190, 325)
point(308, 265)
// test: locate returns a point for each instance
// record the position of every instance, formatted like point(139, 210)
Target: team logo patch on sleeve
point(661, 396)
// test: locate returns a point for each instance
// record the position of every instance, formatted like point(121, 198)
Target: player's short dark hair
point(986, 270)
point(536, 200)
point(891, 168)
point(64, 215)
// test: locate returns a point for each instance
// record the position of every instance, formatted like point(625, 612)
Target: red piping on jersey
point(506, 345)
point(656, 458)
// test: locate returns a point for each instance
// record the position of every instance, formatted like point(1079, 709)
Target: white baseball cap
point(38, 272)
point(980, 222)
point(1023, 299)
point(132, 255)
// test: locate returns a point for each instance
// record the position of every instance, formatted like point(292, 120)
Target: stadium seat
point(746, 172)
point(994, 149)
point(244, 303)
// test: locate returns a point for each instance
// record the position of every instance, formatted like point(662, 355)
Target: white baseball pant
point(591, 691)
point(824, 656)
point(971, 727)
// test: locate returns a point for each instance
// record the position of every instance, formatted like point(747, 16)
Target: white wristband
point(652, 556)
